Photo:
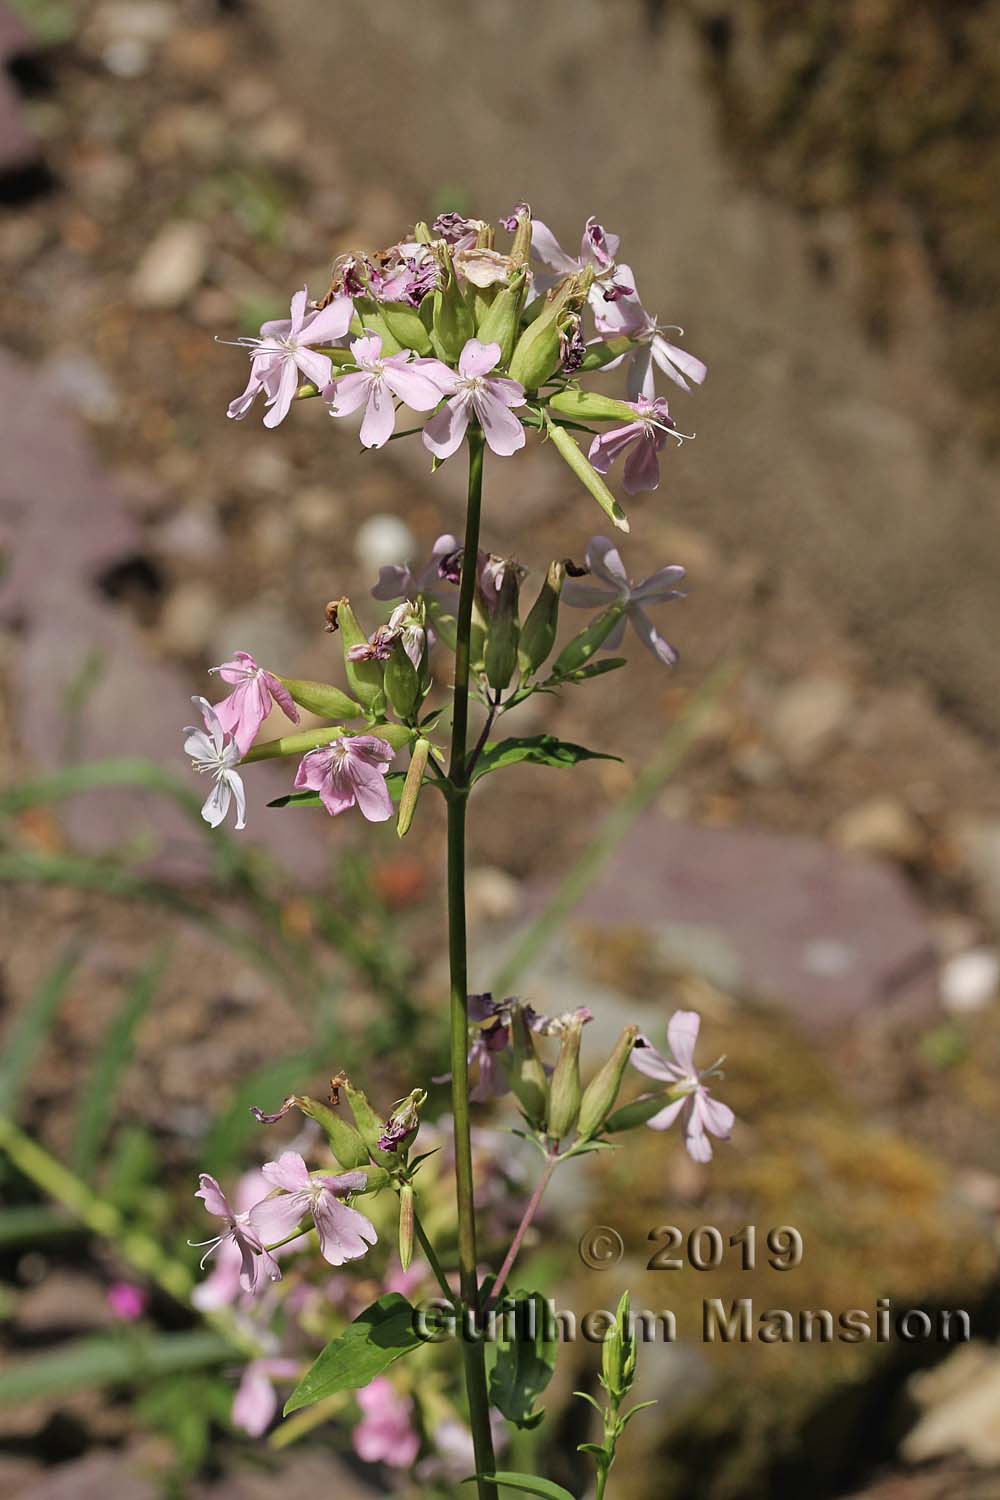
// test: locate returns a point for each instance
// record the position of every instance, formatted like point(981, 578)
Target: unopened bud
point(321, 698)
point(525, 1072)
point(602, 1091)
point(411, 786)
point(521, 248)
point(641, 1110)
point(365, 677)
point(399, 1131)
point(499, 591)
point(538, 353)
point(406, 1217)
point(538, 633)
point(452, 324)
point(402, 685)
point(577, 652)
point(618, 1353)
point(407, 327)
point(591, 406)
point(502, 318)
point(370, 1127)
point(565, 1092)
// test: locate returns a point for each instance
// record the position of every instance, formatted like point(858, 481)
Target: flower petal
point(344, 1234)
point(412, 386)
point(651, 637)
point(348, 393)
point(548, 250)
point(682, 1035)
point(477, 358)
point(605, 561)
point(716, 1116)
point(315, 367)
point(329, 324)
point(280, 402)
point(444, 432)
point(289, 1172)
point(651, 1062)
point(213, 1197)
point(216, 804)
point(659, 586)
point(666, 1116)
point(503, 432)
point(642, 467)
point(276, 1218)
point(380, 416)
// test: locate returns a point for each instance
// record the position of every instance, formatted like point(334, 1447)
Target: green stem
point(474, 1351)
point(430, 1255)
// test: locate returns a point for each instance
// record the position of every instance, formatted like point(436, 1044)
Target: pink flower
point(430, 581)
point(256, 1400)
point(127, 1301)
point(283, 354)
point(609, 584)
point(472, 395)
point(385, 1433)
point(597, 251)
point(377, 380)
point(645, 437)
point(244, 711)
point(216, 752)
point(628, 317)
point(222, 1285)
point(255, 1260)
point(701, 1115)
point(348, 771)
point(344, 1234)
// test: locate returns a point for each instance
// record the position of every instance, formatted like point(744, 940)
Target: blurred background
point(807, 842)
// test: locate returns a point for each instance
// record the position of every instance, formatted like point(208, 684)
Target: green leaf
point(528, 1484)
point(378, 1337)
point(25, 1039)
point(590, 669)
point(524, 1364)
point(98, 1103)
point(567, 448)
point(538, 749)
point(110, 1360)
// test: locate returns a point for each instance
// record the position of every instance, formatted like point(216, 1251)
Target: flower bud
point(602, 1091)
point(344, 1141)
point(499, 590)
point(411, 786)
point(406, 1215)
point(591, 406)
point(565, 1092)
point(641, 1110)
point(451, 324)
point(399, 1131)
point(618, 1353)
point(422, 233)
point(502, 318)
point(525, 1073)
point(407, 327)
point(538, 633)
point(322, 699)
point(402, 685)
point(371, 319)
point(577, 652)
point(520, 250)
point(365, 677)
point(538, 353)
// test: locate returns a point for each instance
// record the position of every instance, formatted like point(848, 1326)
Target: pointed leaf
point(24, 1039)
point(379, 1336)
point(538, 749)
point(590, 669)
point(528, 1484)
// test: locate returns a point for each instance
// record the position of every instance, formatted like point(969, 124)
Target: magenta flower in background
point(348, 771)
point(256, 1400)
point(378, 379)
point(284, 354)
point(127, 1301)
point(473, 395)
point(700, 1114)
point(597, 251)
point(216, 753)
point(609, 583)
point(246, 708)
point(627, 317)
point(405, 583)
point(385, 1433)
point(344, 1234)
point(641, 440)
point(255, 1260)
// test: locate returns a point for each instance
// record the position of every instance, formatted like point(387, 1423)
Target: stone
point(969, 981)
point(810, 715)
point(78, 379)
point(880, 825)
point(172, 266)
point(491, 895)
point(959, 1400)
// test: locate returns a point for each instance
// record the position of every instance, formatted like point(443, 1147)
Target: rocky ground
point(821, 875)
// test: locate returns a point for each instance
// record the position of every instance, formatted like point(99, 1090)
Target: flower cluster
point(446, 324)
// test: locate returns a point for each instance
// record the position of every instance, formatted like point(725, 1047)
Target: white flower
point(214, 751)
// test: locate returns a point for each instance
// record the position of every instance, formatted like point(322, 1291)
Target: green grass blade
point(27, 1035)
point(110, 1361)
point(98, 1103)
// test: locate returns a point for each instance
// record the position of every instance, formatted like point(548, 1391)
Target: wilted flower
point(645, 437)
point(378, 379)
point(216, 752)
point(458, 231)
point(344, 1234)
point(256, 1261)
point(700, 1114)
point(402, 625)
point(474, 395)
point(246, 708)
point(403, 273)
point(609, 584)
point(348, 771)
point(284, 352)
point(484, 268)
point(597, 253)
point(256, 1400)
point(385, 1433)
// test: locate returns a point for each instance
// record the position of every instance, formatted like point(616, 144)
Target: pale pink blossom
point(403, 625)
point(222, 1285)
point(350, 771)
point(627, 317)
point(641, 440)
point(609, 583)
point(256, 1401)
point(246, 708)
point(378, 382)
point(473, 394)
point(344, 1234)
point(284, 354)
point(434, 580)
point(255, 1260)
point(385, 1433)
point(216, 753)
point(700, 1114)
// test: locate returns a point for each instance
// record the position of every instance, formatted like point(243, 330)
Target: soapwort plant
point(489, 348)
